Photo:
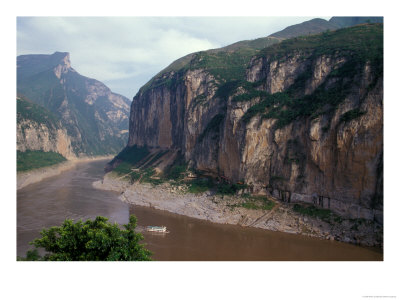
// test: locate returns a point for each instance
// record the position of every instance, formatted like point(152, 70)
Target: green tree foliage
point(92, 240)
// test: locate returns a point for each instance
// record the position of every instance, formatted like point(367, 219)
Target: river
point(71, 195)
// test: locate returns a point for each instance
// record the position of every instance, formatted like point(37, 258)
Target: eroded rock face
point(34, 136)
point(325, 159)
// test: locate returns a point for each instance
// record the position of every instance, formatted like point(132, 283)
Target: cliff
point(39, 129)
point(95, 119)
point(301, 120)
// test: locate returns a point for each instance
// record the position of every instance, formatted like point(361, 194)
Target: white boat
point(156, 228)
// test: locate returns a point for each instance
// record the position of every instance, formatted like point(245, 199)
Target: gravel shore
point(224, 209)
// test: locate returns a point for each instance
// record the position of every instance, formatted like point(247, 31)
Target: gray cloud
point(125, 52)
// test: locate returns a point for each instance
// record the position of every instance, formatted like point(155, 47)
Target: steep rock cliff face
point(95, 118)
point(38, 129)
point(303, 121)
point(34, 136)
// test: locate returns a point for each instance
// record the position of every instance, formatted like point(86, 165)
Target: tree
point(97, 240)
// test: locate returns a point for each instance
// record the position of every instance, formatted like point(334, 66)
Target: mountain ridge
point(94, 116)
point(280, 120)
point(313, 26)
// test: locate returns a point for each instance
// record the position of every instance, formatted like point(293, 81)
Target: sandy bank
point(222, 209)
point(26, 178)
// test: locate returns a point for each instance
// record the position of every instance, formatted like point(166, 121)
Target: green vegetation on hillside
point(27, 110)
point(226, 63)
point(92, 240)
point(363, 42)
point(71, 100)
point(224, 66)
point(358, 45)
point(37, 159)
point(313, 26)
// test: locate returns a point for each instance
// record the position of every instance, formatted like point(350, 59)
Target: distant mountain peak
point(31, 64)
point(64, 64)
point(64, 58)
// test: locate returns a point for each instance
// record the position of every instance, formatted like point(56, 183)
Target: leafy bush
point(96, 240)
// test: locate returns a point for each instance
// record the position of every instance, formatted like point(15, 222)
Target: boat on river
point(162, 229)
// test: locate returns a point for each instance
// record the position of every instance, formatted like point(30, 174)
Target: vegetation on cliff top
point(357, 45)
point(363, 42)
point(226, 63)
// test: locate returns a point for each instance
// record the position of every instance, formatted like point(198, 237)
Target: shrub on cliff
point(92, 240)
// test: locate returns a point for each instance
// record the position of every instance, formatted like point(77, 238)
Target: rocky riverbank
point(26, 178)
point(229, 210)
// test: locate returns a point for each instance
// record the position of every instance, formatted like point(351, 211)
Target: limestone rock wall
point(35, 136)
point(323, 160)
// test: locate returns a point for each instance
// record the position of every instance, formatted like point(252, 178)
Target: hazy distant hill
point(319, 25)
point(95, 118)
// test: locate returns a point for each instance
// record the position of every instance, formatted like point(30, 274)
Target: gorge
point(283, 133)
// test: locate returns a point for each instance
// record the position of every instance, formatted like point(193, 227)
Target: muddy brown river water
point(71, 195)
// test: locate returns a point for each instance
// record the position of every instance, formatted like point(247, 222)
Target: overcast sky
point(126, 52)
